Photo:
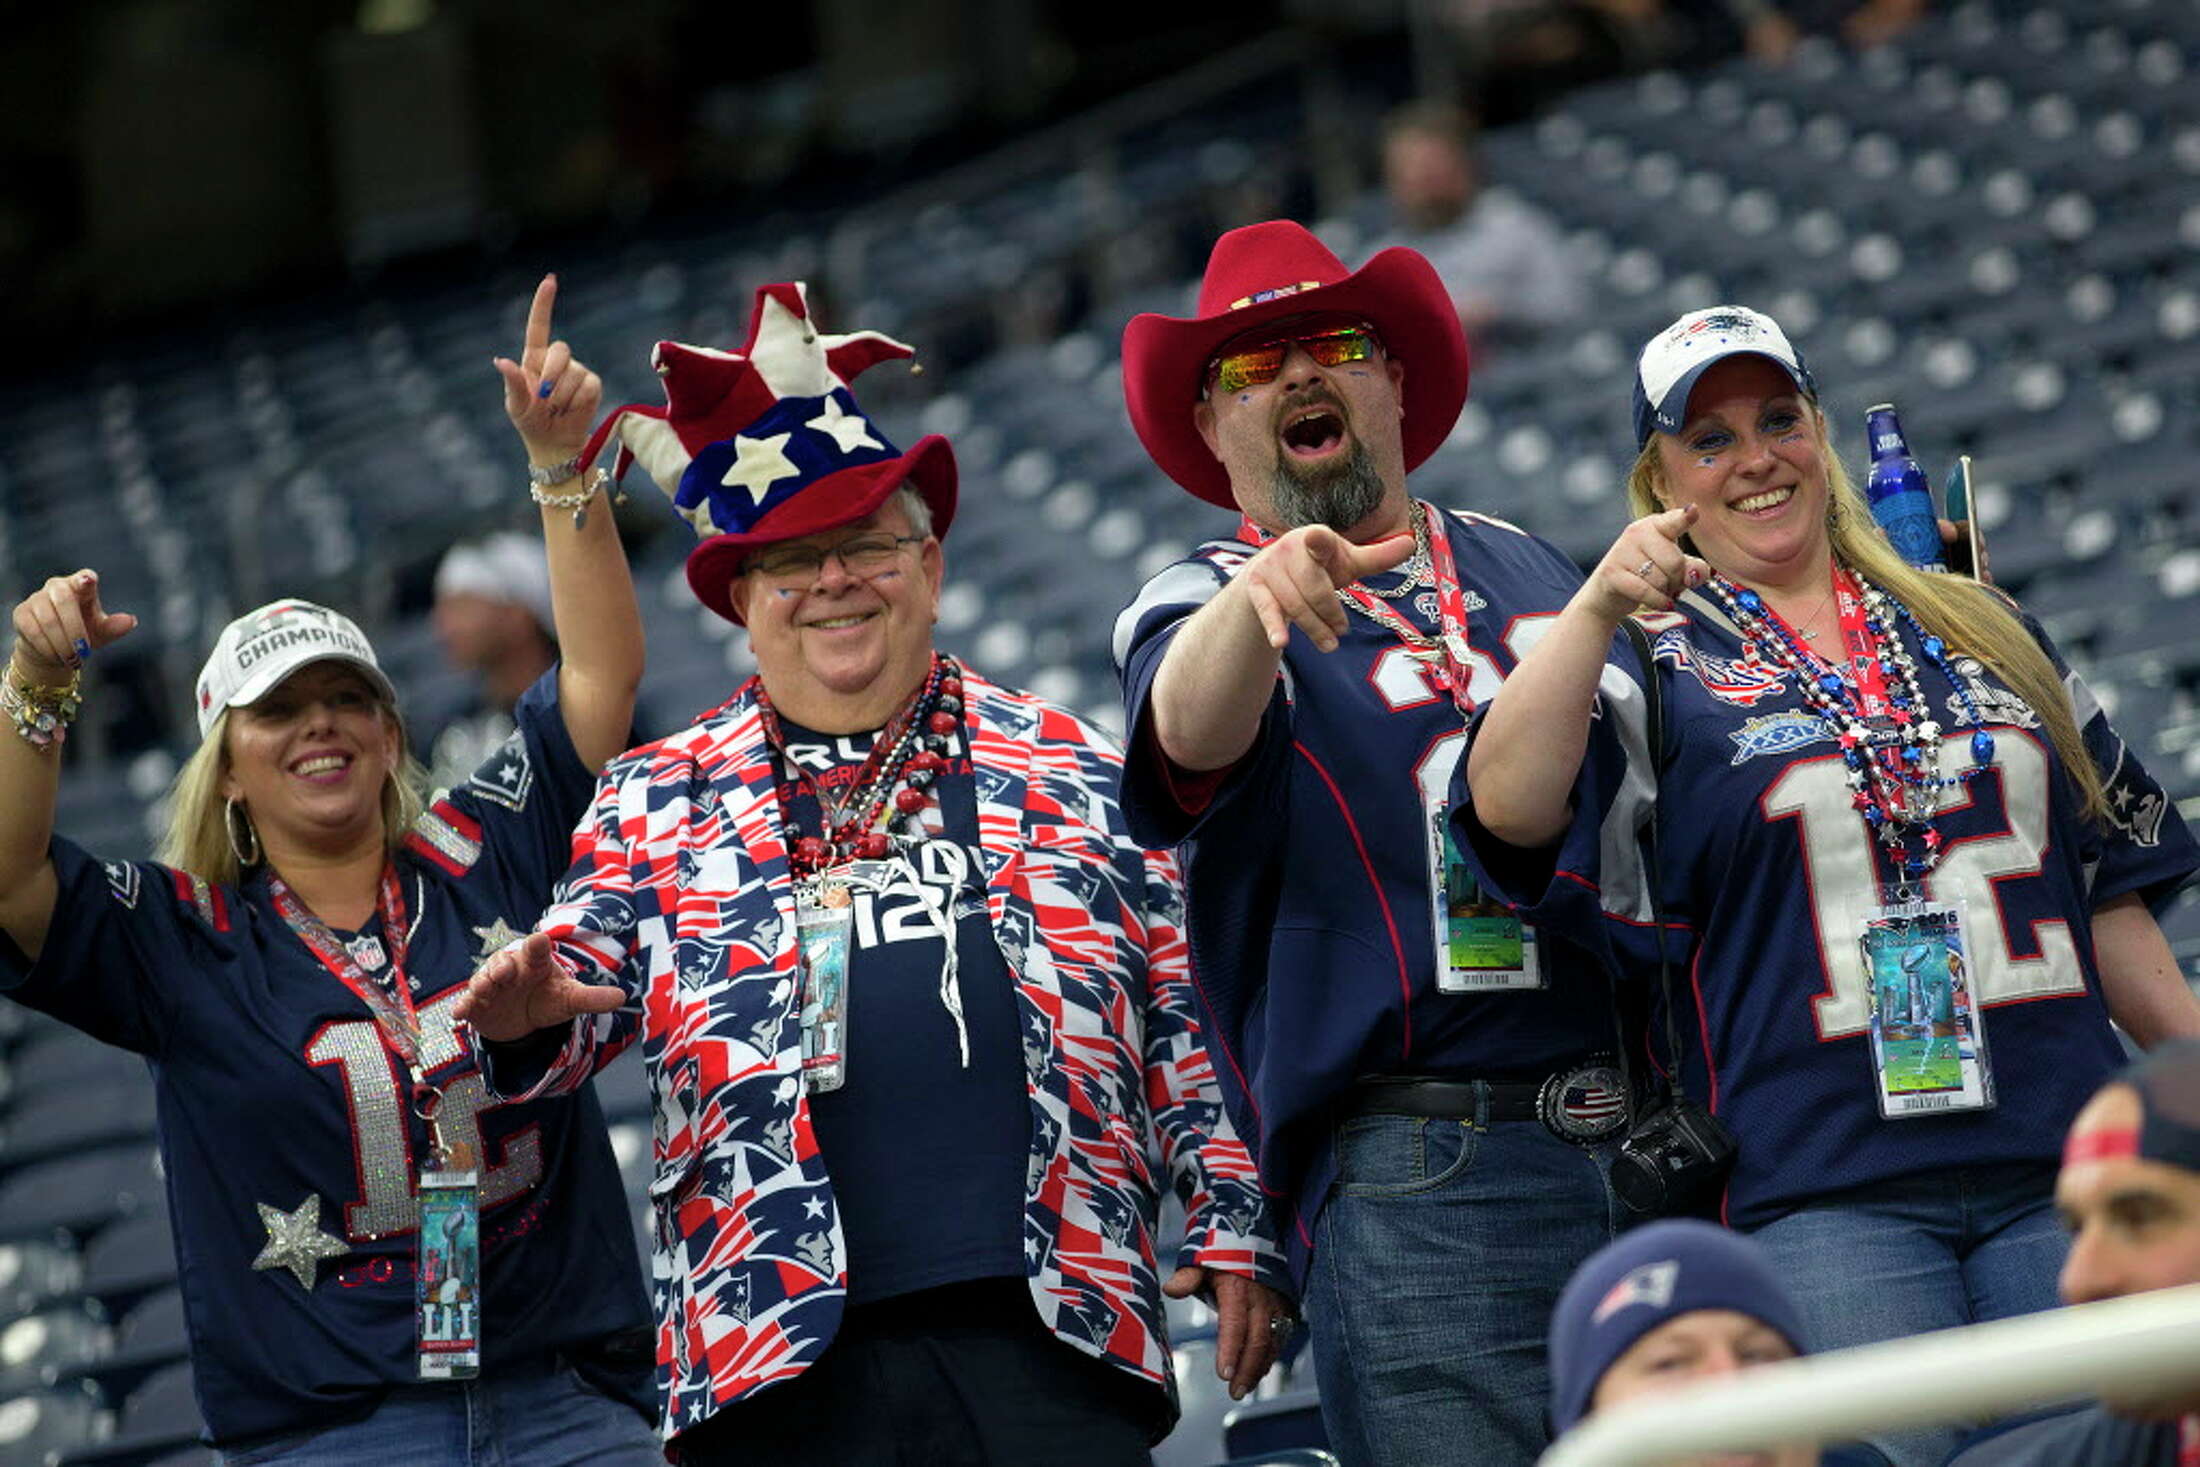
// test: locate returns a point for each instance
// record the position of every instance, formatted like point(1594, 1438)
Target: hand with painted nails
point(1294, 581)
point(549, 395)
point(1647, 567)
point(60, 625)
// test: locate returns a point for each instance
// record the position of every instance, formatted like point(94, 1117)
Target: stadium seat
point(159, 1417)
point(132, 1258)
point(77, 1195)
point(43, 1427)
point(34, 1274)
point(40, 1349)
point(1203, 1401)
point(1290, 1419)
point(59, 1121)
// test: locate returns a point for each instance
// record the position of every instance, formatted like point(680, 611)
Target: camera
point(1673, 1159)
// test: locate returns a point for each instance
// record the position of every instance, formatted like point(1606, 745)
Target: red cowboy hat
point(767, 443)
point(1267, 271)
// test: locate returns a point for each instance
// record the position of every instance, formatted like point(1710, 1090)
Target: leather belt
point(1583, 1102)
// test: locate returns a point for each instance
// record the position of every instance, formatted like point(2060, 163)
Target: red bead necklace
point(910, 752)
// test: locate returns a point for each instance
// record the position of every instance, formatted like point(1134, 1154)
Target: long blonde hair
point(197, 835)
point(1967, 616)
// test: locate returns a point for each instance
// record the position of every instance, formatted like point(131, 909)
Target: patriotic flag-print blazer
point(680, 893)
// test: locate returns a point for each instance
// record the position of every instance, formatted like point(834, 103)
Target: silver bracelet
point(542, 476)
point(577, 501)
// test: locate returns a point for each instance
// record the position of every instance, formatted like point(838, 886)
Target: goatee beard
point(1338, 493)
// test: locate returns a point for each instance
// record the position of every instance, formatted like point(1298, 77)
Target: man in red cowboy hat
point(914, 1003)
point(1430, 1087)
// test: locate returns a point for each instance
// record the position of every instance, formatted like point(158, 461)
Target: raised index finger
point(538, 324)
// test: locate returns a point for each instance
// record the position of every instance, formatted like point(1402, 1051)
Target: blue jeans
point(1931, 1251)
point(524, 1417)
point(1437, 1259)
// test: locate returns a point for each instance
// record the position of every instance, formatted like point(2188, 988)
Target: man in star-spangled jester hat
point(961, 1154)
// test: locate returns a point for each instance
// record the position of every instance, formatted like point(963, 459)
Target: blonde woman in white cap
point(377, 1263)
point(1904, 865)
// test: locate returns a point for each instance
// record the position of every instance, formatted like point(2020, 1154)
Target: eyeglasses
point(1237, 368)
point(859, 555)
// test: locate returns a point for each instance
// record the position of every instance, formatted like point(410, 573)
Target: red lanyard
point(391, 1005)
point(1860, 645)
point(1446, 652)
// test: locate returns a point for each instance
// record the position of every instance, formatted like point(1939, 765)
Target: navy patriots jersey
point(274, 1087)
point(1768, 874)
point(1307, 874)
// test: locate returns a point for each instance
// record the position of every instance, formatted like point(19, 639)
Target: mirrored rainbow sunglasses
point(1257, 361)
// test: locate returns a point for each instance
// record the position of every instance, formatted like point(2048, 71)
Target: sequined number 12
point(374, 1087)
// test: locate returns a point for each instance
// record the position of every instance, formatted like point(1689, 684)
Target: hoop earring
point(230, 818)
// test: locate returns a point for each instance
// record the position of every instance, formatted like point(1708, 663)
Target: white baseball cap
point(261, 648)
point(1673, 359)
point(507, 567)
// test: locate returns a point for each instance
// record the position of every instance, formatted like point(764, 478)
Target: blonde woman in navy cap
point(377, 1263)
point(1905, 864)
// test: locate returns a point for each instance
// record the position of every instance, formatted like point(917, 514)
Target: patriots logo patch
point(1776, 733)
point(1651, 1284)
point(506, 779)
point(122, 879)
point(1996, 704)
point(1730, 680)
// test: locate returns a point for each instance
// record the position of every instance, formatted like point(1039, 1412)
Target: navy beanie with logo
point(1658, 1272)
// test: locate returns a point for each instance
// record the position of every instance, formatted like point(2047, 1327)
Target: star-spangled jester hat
point(767, 443)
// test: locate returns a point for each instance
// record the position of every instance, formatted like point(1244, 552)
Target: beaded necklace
point(1875, 708)
point(910, 751)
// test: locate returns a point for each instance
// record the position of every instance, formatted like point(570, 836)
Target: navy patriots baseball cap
point(1658, 1272)
point(1672, 360)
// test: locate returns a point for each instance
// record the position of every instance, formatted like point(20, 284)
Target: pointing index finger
point(538, 323)
point(1674, 523)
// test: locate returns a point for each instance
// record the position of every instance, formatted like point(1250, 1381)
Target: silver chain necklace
point(1418, 573)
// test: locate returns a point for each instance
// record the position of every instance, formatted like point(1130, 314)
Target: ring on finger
point(1642, 572)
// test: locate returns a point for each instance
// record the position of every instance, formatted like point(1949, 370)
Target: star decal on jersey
point(295, 1240)
point(497, 935)
point(758, 464)
point(848, 431)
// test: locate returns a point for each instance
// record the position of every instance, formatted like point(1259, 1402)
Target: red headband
point(2105, 1144)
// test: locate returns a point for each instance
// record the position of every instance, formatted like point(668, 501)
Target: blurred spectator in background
point(1516, 55)
point(2130, 1194)
point(1510, 272)
point(1668, 1305)
point(492, 619)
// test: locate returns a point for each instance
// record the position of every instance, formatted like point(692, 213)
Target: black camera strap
point(1654, 723)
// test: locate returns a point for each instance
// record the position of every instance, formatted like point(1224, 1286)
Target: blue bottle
point(1901, 496)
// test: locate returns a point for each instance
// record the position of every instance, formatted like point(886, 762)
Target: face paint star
point(497, 934)
point(295, 1240)
point(847, 431)
point(759, 463)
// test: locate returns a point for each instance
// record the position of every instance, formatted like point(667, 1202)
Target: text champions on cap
point(282, 637)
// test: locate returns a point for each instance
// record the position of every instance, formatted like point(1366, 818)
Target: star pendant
point(295, 1240)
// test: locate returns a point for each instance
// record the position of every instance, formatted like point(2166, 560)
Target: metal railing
point(2144, 1343)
